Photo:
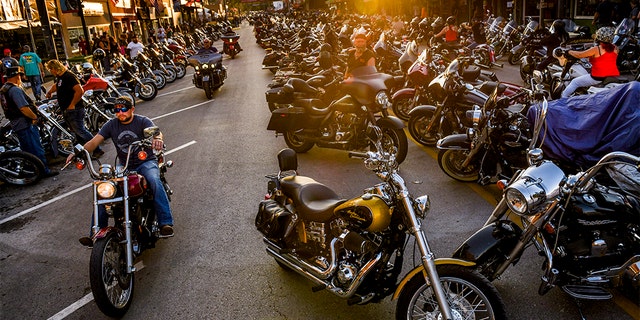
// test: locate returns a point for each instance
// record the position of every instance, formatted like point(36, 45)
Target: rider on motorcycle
point(123, 130)
point(207, 47)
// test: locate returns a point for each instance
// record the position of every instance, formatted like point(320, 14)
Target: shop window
point(585, 9)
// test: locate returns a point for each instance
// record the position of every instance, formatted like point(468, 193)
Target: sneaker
point(86, 241)
point(97, 154)
point(51, 173)
point(166, 231)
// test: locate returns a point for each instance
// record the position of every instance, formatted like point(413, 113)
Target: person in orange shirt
point(602, 57)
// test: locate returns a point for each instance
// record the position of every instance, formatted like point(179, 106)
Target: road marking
point(62, 196)
point(172, 92)
point(83, 301)
point(181, 110)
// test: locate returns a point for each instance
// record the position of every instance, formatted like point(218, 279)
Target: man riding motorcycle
point(207, 47)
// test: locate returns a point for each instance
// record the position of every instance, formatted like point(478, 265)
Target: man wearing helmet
point(33, 69)
point(602, 57)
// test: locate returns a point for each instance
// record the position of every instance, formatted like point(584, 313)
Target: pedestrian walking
point(32, 65)
point(69, 93)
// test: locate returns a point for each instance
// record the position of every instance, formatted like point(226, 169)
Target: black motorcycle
point(343, 124)
point(496, 144)
point(17, 167)
point(586, 225)
point(209, 71)
point(127, 75)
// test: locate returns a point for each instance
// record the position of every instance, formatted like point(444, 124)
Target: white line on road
point(185, 109)
point(62, 196)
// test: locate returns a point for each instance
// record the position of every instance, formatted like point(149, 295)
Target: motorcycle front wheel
point(20, 168)
point(111, 284)
point(469, 294)
point(402, 106)
point(208, 91)
point(147, 91)
point(418, 123)
point(514, 58)
point(181, 70)
point(450, 161)
point(394, 141)
point(159, 79)
point(297, 142)
point(171, 74)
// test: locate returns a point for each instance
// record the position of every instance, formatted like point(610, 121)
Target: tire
point(181, 70)
point(418, 123)
point(171, 74)
point(470, 296)
point(159, 79)
point(111, 285)
point(450, 161)
point(514, 58)
point(208, 91)
point(395, 142)
point(20, 168)
point(402, 106)
point(148, 92)
point(297, 143)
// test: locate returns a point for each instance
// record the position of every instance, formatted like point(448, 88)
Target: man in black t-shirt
point(360, 55)
point(604, 14)
point(69, 93)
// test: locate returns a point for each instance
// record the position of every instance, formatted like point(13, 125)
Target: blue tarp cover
point(582, 129)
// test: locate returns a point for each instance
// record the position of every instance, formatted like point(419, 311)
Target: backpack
point(13, 113)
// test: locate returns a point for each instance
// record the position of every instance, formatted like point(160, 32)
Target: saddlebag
point(273, 220)
point(287, 119)
point(278, 95)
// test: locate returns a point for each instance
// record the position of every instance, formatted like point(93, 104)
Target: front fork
point(427, 256)
point(127, 219)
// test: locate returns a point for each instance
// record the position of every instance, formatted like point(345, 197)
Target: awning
point(12, 25)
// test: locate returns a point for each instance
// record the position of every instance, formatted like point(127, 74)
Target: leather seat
point(313, 200)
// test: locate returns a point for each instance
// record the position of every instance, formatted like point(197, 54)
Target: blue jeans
point(36, 84)
point(75, 120)
point(30, 142)
point(579, 82)
point(151, 172)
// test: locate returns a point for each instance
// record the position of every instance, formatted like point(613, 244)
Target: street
point(216, 266)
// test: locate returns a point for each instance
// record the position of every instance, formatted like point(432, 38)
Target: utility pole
point(84, 23)
point(50, 46)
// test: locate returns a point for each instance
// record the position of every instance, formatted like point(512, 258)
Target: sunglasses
point(120, 108)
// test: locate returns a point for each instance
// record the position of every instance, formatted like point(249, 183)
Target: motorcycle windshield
point(495, 25)
point(381, 44)
point(510, 27)
point(197, 59)
point(365, 83)
point(530, 28)
point(625, 27)
point(570, 25)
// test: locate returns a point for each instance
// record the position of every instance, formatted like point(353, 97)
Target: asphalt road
point(216, 267)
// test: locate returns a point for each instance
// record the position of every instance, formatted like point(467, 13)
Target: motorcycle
point(454, 96)
point(143, 64)
point(585, 225)
point(129, 201)
point(127, 76)
point(230, 44)
point(17, 167)
point(355, 248)
point(495, 145)
point(209, 71)
point(627, 44)
point(530, 35)
point(343, 124)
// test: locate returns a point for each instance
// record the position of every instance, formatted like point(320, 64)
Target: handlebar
point(591, 172)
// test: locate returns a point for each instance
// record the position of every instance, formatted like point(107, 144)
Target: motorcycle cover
point(582, 129)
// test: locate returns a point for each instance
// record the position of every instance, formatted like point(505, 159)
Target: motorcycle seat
point(313, 200)
point(488, 87)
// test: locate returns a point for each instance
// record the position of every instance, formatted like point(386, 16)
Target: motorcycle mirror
point(151, 131)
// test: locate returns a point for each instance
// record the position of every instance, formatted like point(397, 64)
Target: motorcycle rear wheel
point(450, 161)
point(470, 296)
point(418, 123)
point(20, 168)
point(297, 143)
point(111, 285)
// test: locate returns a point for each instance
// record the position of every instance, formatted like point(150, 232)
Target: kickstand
point(579, 305)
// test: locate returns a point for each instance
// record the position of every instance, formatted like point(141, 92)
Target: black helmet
point(98, 54)
point(87, 68)
point(557, 26)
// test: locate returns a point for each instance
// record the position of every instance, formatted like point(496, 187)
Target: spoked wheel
point(418, 123)
point(181, 70)
point(402, 106)
point(147, 91)
point(469, 295)
point(514, 58)
point(111, 285)
point(171, 74)
point(451, 160)
point(297, 142)
point(159, 79)
point(394, 141)
point(20, 168)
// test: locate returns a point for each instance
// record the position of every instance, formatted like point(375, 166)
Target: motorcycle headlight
point(538, 77)
point(382, 99)
point(106, 189)
point(536, 186)
point(205, 66)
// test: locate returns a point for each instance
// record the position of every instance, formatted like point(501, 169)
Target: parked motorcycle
point(17, 167)
point(127, 76)
point(209, 71)
point(355, 248)
point(143, 64)
point(343, 124)
point(129, 201)
point(495, 146)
